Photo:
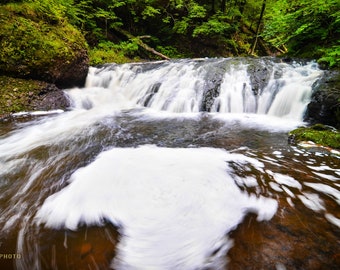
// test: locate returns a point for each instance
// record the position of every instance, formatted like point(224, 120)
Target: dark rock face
point(325, 104)
point(213, 80)
point(73, 74)
point(259, 75)
point(50, 98)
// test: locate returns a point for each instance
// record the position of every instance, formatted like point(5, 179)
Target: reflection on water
point(199, 191)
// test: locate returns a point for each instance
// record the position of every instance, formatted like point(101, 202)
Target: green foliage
point(196, 11)
point(150, 11)
point(181, 26)
point(331, 56)
point(305, 25)
point(307, 28)
point(170, 51)
point(214, 26)
point(108, 52)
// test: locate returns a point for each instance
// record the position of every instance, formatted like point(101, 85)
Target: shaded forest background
point(121, 31)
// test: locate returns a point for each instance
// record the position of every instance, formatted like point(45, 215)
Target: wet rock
point(73, 74)
point(259, 75)
point(325, 104)
point(85, 249)
point(212, 91)
point(213, 81)
point(18, 95)
point(50, 98)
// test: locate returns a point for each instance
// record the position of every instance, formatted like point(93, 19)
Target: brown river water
point(128, 179)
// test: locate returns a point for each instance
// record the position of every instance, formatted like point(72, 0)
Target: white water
point(174, 205)
point(180, 87)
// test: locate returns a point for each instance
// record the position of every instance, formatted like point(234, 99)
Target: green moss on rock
point(35, 46)
point(318, 134)
point(17, 95)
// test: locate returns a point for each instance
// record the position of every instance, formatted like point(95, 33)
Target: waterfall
point(161, 165)
point(224, 85)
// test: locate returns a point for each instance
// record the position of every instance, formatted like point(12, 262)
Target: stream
point(180, 164)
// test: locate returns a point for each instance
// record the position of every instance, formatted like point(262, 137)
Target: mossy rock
point(319, 134)
point(41, 46)
point(18, 95)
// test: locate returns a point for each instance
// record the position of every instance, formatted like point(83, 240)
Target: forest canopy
point(116, 30)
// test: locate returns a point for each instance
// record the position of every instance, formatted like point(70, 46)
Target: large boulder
point(325, 104)
point(41, 46)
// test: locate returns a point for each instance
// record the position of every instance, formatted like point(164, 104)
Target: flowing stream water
point(171, 165)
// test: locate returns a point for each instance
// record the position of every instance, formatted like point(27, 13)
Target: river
point(179, 164)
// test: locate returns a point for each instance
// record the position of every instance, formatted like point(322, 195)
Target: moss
point(319, 134)
point(34, 47)
point(17, 94)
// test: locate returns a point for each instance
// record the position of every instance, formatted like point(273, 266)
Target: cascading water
point(163, 165)
point(186, 86)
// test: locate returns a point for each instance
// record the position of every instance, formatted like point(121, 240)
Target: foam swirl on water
point(172, 213)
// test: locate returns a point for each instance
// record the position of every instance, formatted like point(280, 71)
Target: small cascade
point(135, 177)
point(222, 85)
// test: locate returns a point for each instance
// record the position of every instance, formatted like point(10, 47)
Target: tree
point(258, 26)
point(307, 28)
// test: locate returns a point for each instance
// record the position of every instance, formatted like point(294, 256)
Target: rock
point(259, 75)
point(325, 104)
point(50, 98)
point(75, 73)
point(288, 241)
point(17, 95)
point(324, 136)
point(41, 47)
point(85, 249)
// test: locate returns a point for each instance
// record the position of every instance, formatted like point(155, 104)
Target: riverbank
point(24, 95)
point(45, 50)
point(316, 136)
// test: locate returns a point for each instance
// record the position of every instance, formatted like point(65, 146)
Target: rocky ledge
point(17, 95)
point(325, 104)
point(40, 55)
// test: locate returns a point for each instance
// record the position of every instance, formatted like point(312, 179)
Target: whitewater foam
point(164, 200)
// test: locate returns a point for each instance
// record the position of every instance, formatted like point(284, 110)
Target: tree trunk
point(223, 3)
point(141, 43)
point(258, 27)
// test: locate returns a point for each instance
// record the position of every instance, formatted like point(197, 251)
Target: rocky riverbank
point(41, 55)
point(323, 113)
point(17, 95)
point(325, 104)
